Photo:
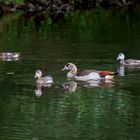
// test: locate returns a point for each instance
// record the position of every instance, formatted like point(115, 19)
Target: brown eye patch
point(67, 65)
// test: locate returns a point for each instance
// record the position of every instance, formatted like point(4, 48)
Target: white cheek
point(120, 57)
point(38, 75)
point(68, 68)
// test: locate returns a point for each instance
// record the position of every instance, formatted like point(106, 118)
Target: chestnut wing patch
point(104, 73)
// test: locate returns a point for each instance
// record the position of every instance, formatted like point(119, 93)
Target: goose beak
point(65, 68)
point(36, 76)
point(118, 58)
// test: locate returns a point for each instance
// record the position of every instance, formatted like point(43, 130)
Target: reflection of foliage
point(89, 113)
point(85, 113)
point(57, 9)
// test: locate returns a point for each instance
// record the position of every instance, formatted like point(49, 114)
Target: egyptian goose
point(87, 75)
point(43, 80)
point(128, 62)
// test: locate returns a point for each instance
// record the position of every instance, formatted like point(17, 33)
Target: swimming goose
point(128, 62)
point(9, 55)
point(87, 75)
point(43, 80)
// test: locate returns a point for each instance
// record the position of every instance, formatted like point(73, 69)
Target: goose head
point(71, 68)
point(38, 74)
point(16, 55)
point(120, 57)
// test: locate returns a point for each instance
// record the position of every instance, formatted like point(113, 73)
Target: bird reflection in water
point(70, 86)
point(121, 70)
point(98, 83)
point(38, 90)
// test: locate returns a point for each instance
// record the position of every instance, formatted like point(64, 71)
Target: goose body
point(128, 62)
point(9, 55)
point(43, 80)
point(87, 75)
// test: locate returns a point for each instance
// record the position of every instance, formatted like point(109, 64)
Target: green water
point(91, 41)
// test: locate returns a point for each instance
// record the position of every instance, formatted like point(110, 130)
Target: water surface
point(91, 41)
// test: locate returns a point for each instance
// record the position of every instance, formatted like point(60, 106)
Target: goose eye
point(67, 65)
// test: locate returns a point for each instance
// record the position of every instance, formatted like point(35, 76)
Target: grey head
point(120, 57)
point(38, 74)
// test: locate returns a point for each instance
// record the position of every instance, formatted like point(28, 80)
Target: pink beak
point(63, 68)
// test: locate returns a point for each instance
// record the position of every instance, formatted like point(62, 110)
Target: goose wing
point(47, 79)
point(86, 72)
point(105, 73)
point(132, 62)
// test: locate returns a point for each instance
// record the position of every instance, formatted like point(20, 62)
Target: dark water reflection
point(69, 110)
